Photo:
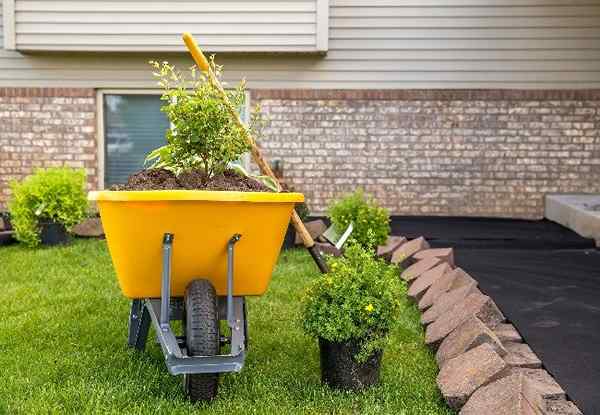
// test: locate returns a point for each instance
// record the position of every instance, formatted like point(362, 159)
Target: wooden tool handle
point(264, 167)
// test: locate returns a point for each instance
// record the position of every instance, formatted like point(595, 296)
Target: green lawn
point(63, 330)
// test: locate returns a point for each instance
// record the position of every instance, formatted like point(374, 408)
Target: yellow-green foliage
point(359, 299)
point(366, 216)
point(56, 194)
point(203, 135)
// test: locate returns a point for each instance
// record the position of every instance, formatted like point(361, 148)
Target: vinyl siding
point(1, 28)
point(156, 25)
point(374, 44)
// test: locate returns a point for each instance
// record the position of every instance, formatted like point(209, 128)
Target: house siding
point(226, 25)
point(378, 44)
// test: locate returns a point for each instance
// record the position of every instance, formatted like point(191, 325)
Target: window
point(133, 125)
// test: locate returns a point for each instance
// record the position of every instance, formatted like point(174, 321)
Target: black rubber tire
point(202, 337)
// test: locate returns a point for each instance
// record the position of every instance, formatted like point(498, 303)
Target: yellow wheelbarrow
point(173, 252)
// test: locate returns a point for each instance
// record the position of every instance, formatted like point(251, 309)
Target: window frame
point(100, 135)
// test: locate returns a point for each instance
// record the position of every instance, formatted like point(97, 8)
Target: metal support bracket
point(165, 292)
point(230, 319)
point(159, 312)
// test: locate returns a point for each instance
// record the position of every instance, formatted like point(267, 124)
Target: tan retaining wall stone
point(407, 250)
point(448, 300)
point(415, 270)
point(452, 279)
point(463, 375)
point(447, 254)
point(436, 152)
point(46, 127)
point(469, 334)
point(521, 355)
point(479, 305)
point(420, 286)
point(511, 395)
point(392, 244)
point(508, 333)
point(548, 387)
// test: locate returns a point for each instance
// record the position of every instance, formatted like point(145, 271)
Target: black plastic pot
point(53, 233)
point(339, 369)
point(290, 237)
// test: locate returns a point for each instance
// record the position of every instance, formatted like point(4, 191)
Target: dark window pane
point(133, 126)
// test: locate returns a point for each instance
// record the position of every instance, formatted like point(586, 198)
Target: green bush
point(359, 300)
point(56, 194)
point(203, 135)
point(366, 216)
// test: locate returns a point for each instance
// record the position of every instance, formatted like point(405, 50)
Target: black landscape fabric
point(545, 279)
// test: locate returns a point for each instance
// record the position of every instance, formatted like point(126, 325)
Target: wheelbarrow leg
point(139, 324)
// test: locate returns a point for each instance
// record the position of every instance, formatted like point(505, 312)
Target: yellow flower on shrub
point(369, 308)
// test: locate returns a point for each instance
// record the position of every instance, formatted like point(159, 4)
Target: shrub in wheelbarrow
point(172, 230)
point(46, 204)
point(351, 311)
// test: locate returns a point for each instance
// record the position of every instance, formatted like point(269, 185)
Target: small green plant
point(358, 300)
point(56, 194)
point(366, 216)
point(202, 135)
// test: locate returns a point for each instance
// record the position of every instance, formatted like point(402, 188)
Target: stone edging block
point(415, 270)
point(464, 374)
point(407, 250)
point(468, 335)
point(475, 304)
point(392, 244)
point(421, 285)
point(447, 254)
point(446, 301)
point(485, 366)
point(455, 278)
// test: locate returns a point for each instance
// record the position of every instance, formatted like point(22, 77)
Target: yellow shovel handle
point(196, 53)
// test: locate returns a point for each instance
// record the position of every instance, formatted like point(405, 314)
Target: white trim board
point(8, 22)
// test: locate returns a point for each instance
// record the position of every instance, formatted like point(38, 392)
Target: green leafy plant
point(358, 300)
point(366, 216)
point(56, 194)
point(202, 135)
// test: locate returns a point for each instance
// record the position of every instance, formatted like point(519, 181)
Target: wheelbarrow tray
point(202, 223)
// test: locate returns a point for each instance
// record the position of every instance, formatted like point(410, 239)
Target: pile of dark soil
point(161, 179)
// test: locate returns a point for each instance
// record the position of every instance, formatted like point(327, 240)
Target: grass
point(63, 348)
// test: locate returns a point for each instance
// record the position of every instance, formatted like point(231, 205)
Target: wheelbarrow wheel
point(202, 337)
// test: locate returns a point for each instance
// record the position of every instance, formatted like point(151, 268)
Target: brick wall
point(46, 127)
point(420, 152)
point(437, 152)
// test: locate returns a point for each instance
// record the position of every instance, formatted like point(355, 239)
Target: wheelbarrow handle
point(259, 159)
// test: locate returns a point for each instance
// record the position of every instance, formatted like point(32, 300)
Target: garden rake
point(259, 159)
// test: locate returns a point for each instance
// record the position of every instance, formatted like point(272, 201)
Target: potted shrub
point(46, 204)
point(370, 222)
point(351, 311)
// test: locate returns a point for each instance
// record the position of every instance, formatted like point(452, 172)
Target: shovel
point(259, 159)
